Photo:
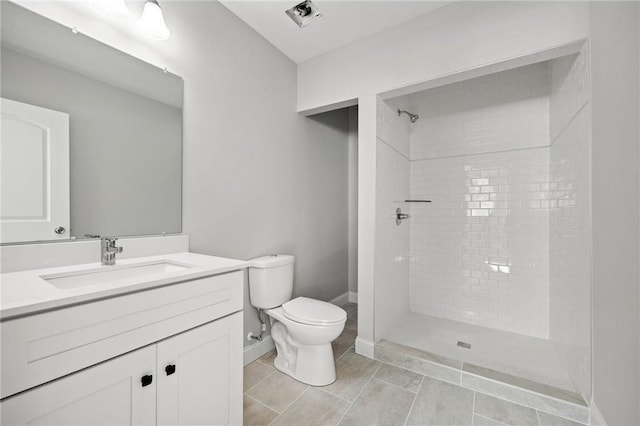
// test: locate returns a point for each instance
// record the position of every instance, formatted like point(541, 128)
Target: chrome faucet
point(109, 250)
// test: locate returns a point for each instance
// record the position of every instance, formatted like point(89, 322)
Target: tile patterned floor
point(370, 392)
point(505, 386)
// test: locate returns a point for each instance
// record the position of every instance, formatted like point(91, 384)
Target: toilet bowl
point(302, 328)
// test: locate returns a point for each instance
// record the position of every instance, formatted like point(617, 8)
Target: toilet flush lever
point(400, 216)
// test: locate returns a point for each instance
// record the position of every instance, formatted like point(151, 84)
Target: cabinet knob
point(170, 369)
point(146, 380)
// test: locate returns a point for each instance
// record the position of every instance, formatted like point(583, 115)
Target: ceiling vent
point(304, 13)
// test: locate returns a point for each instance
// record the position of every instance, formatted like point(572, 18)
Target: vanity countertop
point(26, 292)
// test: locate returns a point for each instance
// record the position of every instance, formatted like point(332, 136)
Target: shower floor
point(515, 354)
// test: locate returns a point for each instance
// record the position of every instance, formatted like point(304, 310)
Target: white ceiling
point(342, 22)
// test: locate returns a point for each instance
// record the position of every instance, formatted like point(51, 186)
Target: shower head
point(412, 117)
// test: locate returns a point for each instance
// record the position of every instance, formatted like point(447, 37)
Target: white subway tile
point(483, 241)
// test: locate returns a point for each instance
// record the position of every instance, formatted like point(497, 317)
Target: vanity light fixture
point(151, 23)
point(116, 9)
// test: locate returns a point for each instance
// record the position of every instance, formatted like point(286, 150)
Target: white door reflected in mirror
point(34, 167)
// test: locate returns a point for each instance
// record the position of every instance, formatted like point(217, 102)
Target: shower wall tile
point(498, 112)
point(569, 90)
point(570, 220)
point(480, 152)
point(392, 241)
point(392, 129)
point(480, 250)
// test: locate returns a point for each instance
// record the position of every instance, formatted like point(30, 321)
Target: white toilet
point(302, 328)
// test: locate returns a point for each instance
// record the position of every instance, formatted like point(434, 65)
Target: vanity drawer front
point(42, 347)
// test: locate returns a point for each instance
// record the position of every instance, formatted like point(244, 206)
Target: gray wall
point(274, 192)
point(615, 70)
point(258, 178)
point(353, 199)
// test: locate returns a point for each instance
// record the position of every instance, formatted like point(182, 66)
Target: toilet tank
point(271, 280)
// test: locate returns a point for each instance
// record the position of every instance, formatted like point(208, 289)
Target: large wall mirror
point(124, 144)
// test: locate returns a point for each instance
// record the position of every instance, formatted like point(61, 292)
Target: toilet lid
point(313, 312)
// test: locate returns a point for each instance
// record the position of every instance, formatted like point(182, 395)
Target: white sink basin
point(110, 274)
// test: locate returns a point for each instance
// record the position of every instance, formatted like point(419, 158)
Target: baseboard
point(350, 296)
point(256, 350)
point(340, 300)
point(595, 417)
point(365, 347)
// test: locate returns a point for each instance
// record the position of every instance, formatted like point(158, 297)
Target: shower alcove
point(488, 285)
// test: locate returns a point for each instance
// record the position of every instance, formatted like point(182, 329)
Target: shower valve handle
point(400, 216)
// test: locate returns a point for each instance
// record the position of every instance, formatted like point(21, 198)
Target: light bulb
point(116, 9)
point(151, 23)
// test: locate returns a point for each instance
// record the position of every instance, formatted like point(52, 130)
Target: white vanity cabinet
point(194, 378)
point(170, 355)
point(200, 375)
point(110, 393)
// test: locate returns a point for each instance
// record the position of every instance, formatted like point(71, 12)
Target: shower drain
point(464, 345)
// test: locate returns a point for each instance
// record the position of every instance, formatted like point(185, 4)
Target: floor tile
point(277, 391)
point(379, 404)
point(352, 373)
point(255, 413)
point(268, 357)
point(441, 403)
point(352, 322)
point(551, 420)
point(505, 411)
point(253, 373)
point(485, 421)
point(314, 407)
point(351, 309)
point(400, 377)
point(537, 401)
point(343, 342)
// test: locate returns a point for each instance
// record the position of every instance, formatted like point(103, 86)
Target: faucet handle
point(109, 250)
point(109, 243)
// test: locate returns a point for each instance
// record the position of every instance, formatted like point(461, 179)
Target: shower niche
point(499, 258)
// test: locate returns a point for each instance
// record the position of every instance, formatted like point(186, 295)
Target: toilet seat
point(313, 312)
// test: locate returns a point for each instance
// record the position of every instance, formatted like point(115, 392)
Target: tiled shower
point(499, 257)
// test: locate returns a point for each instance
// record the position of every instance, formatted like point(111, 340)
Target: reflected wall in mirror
point(125, 126)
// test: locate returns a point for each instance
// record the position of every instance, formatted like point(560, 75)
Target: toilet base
point(310, 364)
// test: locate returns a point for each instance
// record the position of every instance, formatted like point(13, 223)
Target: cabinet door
point(110, 393)
point(200, 375)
